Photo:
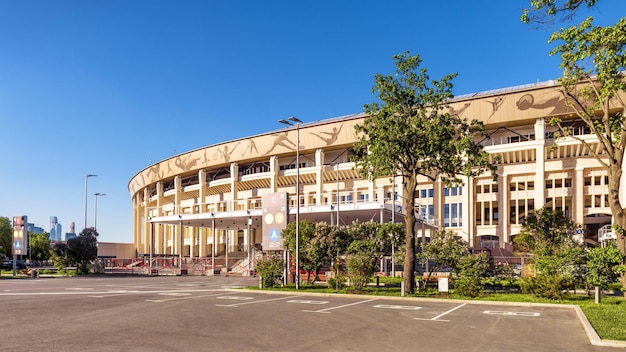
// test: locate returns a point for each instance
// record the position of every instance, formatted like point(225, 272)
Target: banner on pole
point(275, 211)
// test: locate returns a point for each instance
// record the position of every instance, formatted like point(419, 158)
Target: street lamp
point(95, 209)
point(87, 176)
point(295, 121)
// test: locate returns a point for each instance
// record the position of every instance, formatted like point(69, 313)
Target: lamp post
point(95, 209)
point(87, 176)
point(295, 121)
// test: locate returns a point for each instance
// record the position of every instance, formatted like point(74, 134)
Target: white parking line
point(390, 306)
point(240, 298)
point(254, 302)
point(304, 301)
point(442, 314)
point(331, 308)
point(520, 314)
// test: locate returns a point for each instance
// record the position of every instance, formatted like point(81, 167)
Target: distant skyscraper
point(54, 235)
point(34, 229)
point(72, 233)
point(59, 232)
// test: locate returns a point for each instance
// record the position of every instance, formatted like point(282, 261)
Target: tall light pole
point(87, 176)
point(95, 209)
point(295, 121)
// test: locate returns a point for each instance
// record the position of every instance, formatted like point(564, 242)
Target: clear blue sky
point(109, 87)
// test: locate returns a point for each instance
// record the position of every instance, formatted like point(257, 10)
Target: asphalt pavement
point(213, 313)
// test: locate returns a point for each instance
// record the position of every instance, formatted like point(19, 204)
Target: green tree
point(6, 237)
point(39, 244)
point(309, 254)
point(547, 237)
point(593, 60)
point(409, 133)
point(59, 257)
point(544, 11)
point(604, 265)
point(83, 249)
point(443, 252)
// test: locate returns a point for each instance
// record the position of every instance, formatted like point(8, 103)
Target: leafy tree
point(547, 236)
point(443, 252)
point(6, 237)
point(604, 265)
point(59, 257)
point(83, 249)
point(593, 85)
point(311, 256)
point(373, 238)
point(544, 11)
point(39, 246)
point(409, 133)
point(545, 232)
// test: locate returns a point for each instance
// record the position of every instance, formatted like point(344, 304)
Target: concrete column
point(578, 196)
point(540, 166)
point(160, 234)
point(234, 181)
point(319, 181)
point(504, 204)
point(438, 201)
point(274, 173)
point(468, 210)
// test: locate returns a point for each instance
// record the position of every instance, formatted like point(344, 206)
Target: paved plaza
point(209, 313)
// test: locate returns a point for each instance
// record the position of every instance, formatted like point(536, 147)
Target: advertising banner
point(20, 235)
point(275, 211)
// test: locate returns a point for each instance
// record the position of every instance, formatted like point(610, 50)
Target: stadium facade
point(208, 201)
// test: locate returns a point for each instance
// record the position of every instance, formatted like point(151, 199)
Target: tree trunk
point(409, 185)
point(618, 212)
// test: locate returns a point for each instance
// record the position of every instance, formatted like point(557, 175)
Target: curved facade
point(208, 201)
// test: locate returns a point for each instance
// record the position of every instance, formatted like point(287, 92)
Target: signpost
point(20, 238)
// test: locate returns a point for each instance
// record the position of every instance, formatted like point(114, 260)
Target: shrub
point(550, 286)
point(472, 269)
point(360, 267)
point(270, 268)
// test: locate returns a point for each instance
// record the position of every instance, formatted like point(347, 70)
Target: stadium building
point(208, 201)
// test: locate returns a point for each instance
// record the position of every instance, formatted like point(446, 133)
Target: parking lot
point(185, 313)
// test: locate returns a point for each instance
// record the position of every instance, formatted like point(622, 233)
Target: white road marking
point(520, 314)
point(240, 298)
point(175, 294)
point(442, 314)
point(390, 306)
point(254, 302)
point(304, 301)
point(343, 306)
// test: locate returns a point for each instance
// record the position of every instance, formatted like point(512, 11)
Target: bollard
point(402, 289)
point(598, 294)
